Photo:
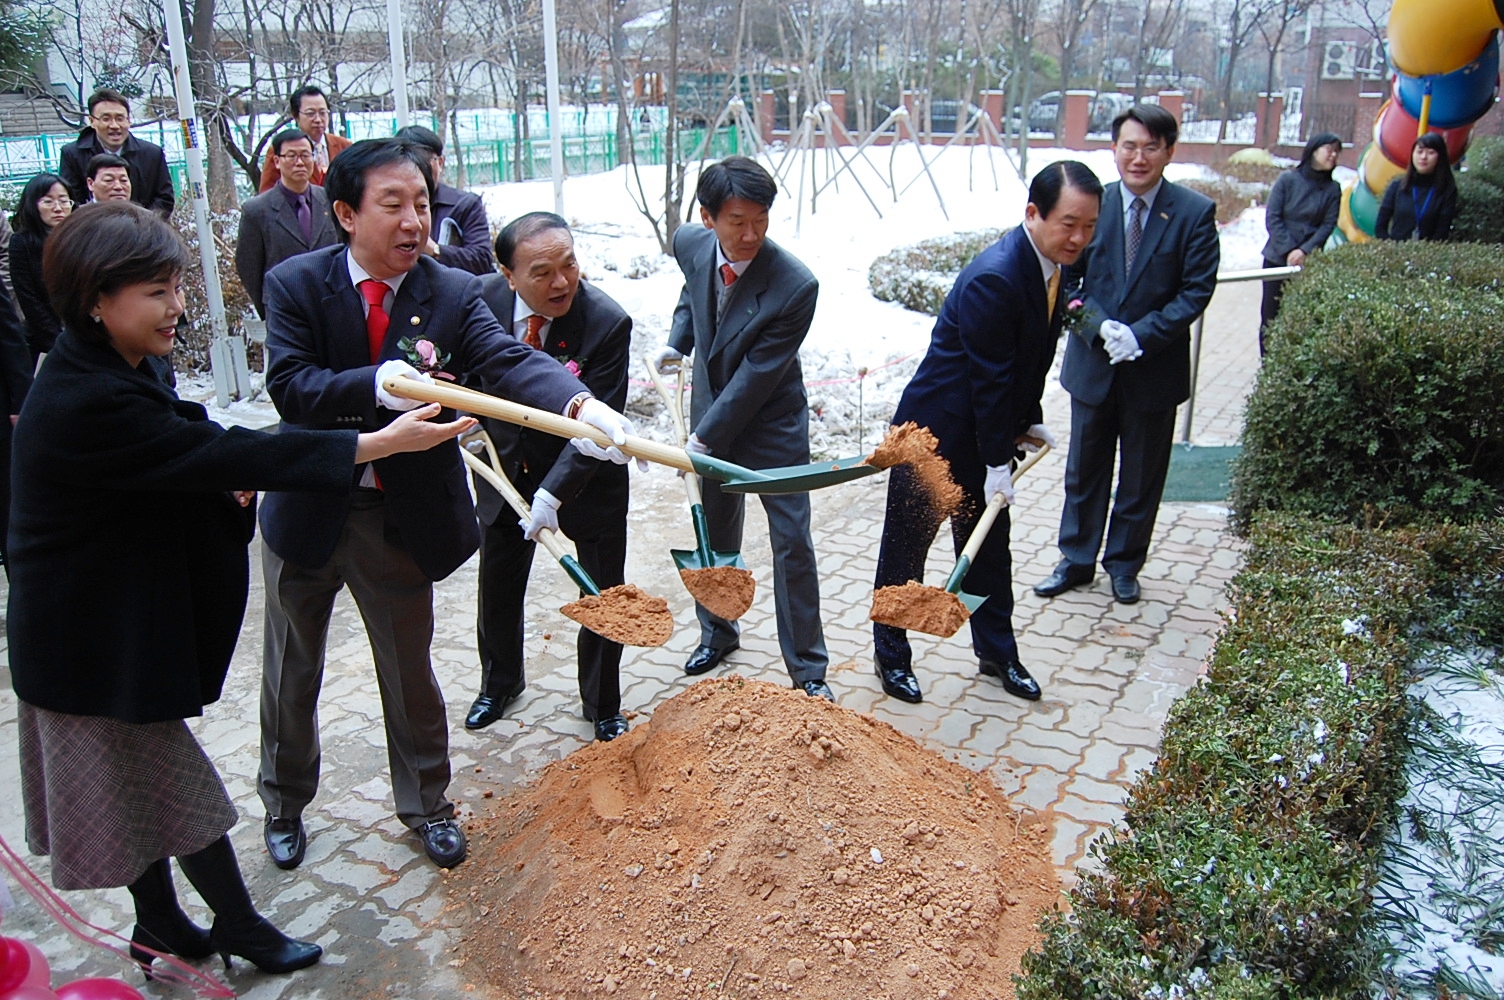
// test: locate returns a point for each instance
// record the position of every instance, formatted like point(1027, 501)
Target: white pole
point(555, 126)
point(232, 380)
point(399, 59)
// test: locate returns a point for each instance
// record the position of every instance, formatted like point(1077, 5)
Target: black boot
point(160, 923)
point(238, 929)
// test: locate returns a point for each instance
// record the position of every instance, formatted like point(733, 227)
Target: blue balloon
point(1460, 97)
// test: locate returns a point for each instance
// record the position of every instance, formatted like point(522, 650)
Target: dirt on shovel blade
point(624, 614)
point(919, 608)
point(725, 591)
point(914, 446)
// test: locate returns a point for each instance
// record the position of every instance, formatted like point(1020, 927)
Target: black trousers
point(1274, 291)
point(598, 527)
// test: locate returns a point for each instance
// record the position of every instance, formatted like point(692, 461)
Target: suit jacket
point(151, 182)
point(596, 334)
point(1174, 276)
point(1396, 220)
point(749, 403)
point(319, 374)
point(42, 323)
point(128, 558)
point(979, 385)
point(473, 252)
point(271, 173)
point(269, 234)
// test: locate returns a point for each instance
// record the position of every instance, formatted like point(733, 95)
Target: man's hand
point(397, 369)
point(1120, 342)
point(667, 360)
point(999, 480)
point(613, 425)
point(545, 515)
point(1036, 437)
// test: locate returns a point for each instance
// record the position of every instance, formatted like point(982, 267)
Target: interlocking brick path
point(365, 891)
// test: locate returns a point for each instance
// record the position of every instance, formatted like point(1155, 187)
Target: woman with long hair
point(44, 204)
point(1422, 204)
point(1302, 212)
point(128, 582)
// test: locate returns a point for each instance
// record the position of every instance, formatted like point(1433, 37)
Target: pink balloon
point(29, 993)
point(21, 964)
point(97, 989)
point(40, 974)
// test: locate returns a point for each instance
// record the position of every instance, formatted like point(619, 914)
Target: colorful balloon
point(29, 993)
point(97, 989)
point(21, 964)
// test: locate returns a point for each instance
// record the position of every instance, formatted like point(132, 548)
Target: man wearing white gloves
point(1149, 273)
point(340, 321)
point(978, 390)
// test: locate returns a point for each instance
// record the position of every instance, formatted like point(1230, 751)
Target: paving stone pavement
point(366, 893)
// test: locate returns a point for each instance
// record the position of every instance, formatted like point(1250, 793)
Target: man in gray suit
point(291, 218)
point(1149, 272)
point(745, 308)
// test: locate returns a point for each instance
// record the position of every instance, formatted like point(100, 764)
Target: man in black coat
point(109, 131)
point(15, 382)
point(461, 234)
point(539, 297)
point(339, 322)
point(292, 218)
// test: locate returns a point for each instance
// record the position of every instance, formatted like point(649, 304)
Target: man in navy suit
point(744, 310)
point(978, 390)
point(339, 322)
point(461, 234)
point(1149, 272)
point(539, 297)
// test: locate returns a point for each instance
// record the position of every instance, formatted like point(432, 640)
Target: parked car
point(1105, 106)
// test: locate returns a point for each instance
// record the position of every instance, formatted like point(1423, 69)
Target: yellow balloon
point(1439, 36)
point(1378, 170)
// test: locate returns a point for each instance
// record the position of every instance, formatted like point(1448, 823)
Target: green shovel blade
point(953, 586)
point(790, 479)
point(690, 559)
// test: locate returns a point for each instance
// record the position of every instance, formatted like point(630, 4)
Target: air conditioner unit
point(1339, 61)
point(1375, 63)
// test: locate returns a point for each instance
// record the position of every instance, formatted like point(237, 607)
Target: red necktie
point(376, 318)
point(728, 275)
point(534, 338)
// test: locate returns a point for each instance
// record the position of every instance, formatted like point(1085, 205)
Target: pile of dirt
point(748, 841)
point(920, 608)
point(624, 614)
point(726, 591)
point(915, 446)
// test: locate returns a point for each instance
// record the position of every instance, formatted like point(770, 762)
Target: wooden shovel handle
point(995, 506)
point(674, 400)
point(506, 489)
point(486, 405)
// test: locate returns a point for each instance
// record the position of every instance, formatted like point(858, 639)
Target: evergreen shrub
point(918, 277)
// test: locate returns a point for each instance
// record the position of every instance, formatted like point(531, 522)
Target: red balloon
point(29, 993)
point(97, 989)
point(21, 964)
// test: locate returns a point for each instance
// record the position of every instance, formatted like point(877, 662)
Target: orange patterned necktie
point(534, 338)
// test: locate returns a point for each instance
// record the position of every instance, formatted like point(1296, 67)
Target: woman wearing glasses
point(44, 204)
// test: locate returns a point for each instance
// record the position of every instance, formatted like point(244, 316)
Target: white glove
point(999, 480)
point(397, 369)
point(1039, 432)
point(667, 360)
point(545, 515)
point(695, 446)
point(613, 425)
point(1120, 342)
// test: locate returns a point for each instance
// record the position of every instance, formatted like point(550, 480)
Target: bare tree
point(1158, 25)
point(1071, 21)
point(1242, 20)
point(1272, 29)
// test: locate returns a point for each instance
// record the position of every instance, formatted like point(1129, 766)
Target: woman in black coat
point(1422, 204)
point(128, 585)
point(1302, 212)
point(44, 204)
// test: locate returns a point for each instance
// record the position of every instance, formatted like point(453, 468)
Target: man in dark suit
point(311, 116)
point(745, 308)
point(109, 131)
point(461, 235)
point(539, 298)
point(1149, 272)
point(339, 321)
point(978, 391)
point(292, 218)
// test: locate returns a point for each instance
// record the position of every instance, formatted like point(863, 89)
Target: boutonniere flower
point(573, 364)
point(424, 355)
point(1074, 317)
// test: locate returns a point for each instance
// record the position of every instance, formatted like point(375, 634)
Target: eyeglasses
point(47, 201)
point(1132, 149)
point(112, 119)
point(296, 157)
point(314, 114)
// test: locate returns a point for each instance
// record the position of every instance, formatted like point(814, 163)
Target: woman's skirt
point(106, 798)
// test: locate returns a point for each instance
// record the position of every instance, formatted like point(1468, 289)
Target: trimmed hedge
point(1251, 848)
point(1379, 397)
point(1480, 211)
point(919, 277)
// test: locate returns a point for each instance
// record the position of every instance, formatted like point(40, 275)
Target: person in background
point(129, 574)
point(292, 218)
point(109, 131)
point(310, 115)
point(44, 204)
point(1422, 204)
point(16, 367)
point(108, 178)
point(461, 236)
point(1301, 214)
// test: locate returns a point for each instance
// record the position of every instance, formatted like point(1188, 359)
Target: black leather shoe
point(444, 841)
point(1125, 589)
point(900, 683)
point(485, 709)
point(286, 840)
point(1016, 680)
point(611, 727)
point(817, 689)
point(705, 658)
point(1066, 577)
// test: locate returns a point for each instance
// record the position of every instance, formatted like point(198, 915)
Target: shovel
point(621, 614)
point(718, 580)
point(733, 478)
point(942, 612)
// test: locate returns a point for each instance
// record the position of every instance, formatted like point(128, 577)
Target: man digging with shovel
point(978, 391)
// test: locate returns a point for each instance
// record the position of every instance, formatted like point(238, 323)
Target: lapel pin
point(1164, 215)
point(415, 321)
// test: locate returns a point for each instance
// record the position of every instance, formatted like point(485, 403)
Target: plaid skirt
point(106, 798)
